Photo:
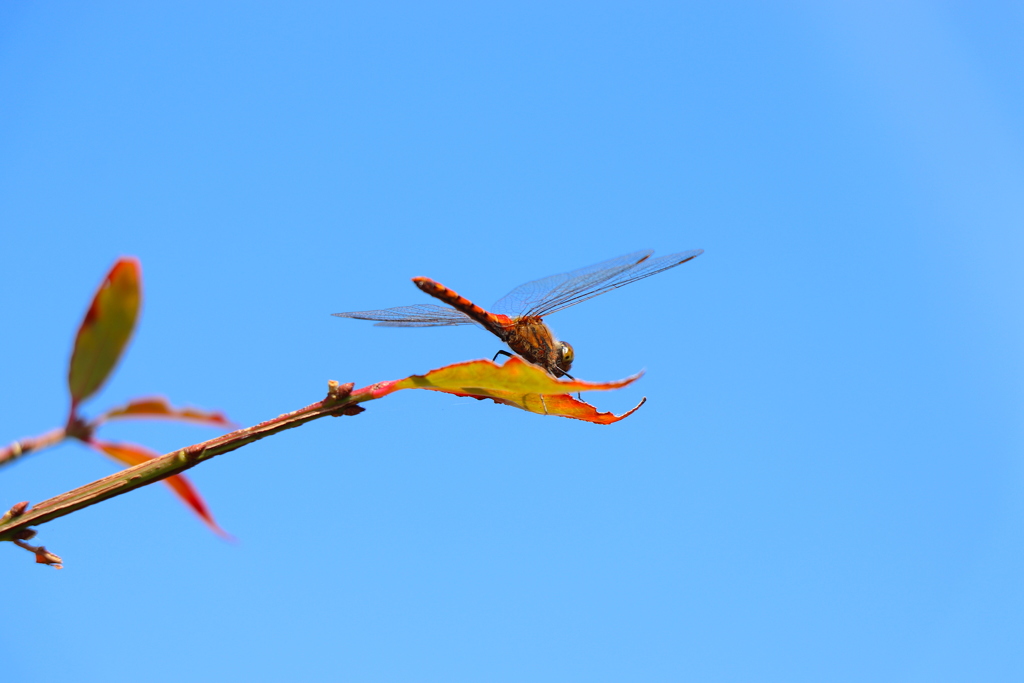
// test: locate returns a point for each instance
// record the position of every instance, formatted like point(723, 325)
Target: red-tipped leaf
point(516, 383)
point(133, 454)
point(106, 329)
point(158, 407)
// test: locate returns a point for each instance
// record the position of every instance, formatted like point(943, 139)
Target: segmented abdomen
point(499, 325)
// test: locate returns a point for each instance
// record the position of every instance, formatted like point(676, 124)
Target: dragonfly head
point(565, 357)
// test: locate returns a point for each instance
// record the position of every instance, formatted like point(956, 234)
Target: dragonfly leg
point(579, 394)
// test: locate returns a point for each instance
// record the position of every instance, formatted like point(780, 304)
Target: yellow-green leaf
point(516, 383)
point(106, 329)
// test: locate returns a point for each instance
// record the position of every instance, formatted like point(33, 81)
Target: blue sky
point(826, 482)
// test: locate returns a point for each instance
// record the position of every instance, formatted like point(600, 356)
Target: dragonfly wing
point(527, 298)
point(558, 292)
point(420, 315)
point(575, 291)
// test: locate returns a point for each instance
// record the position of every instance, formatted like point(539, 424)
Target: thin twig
point(43, 556)
point(340, 401)
point(23, 447)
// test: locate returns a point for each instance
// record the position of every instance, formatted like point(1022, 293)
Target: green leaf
point(106, 329)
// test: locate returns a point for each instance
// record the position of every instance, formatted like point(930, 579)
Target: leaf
point(132, 454)
point(516, 383)
point(561, 405)
point(158, 407)
point(106, 329)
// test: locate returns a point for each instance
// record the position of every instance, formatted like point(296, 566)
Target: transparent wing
point(558, 292)
point(420, 315)
point(524, 299)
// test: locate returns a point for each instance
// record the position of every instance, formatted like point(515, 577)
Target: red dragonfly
point(517, 319)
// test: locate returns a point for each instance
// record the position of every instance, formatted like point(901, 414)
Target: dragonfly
point(517, 318)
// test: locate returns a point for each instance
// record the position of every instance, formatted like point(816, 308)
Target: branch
point(339, 401)
point(10, 453)
point(515, 383)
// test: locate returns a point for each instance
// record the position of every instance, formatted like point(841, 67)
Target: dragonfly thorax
point(533, 340)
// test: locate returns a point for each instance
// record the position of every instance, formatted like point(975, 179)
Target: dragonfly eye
point(565, 356)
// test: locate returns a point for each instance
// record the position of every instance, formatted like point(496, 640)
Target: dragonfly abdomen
point(499, 325)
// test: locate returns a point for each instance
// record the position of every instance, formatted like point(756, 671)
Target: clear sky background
point(826, 482)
